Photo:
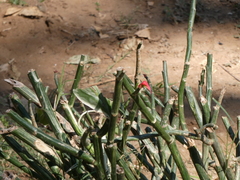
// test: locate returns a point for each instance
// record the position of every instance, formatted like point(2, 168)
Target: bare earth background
point(105, 30)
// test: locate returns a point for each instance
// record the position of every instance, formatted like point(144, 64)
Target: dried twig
point(229, 73)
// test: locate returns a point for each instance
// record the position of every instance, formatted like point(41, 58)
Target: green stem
point(38, 145)
point(18, 164)
point(112, 150)
point(99, 156)
point(115, 105)
point(141, 158)
point(217, 107)
point(206, 110)
point(46, 105)
point(167, 111)
point(127, 127)
point(174, 132)
point(49, 139)
point(18, 106)
point(152, 96)
point(194, 106)
point(43, 173)
point(161, 130)
point(218, 169)
point(120, 173)
point(113, 120)
point(166, 82)
point(77, 79)
point(71, 118)
point(201, 83)
point(31, 113)
point(221, 158)
point(24, 91)
point(199, 166)
point(186, 66)
point(59, 88)
point(229, 129)
point(238, 138)
point(88, 117)
point(124, 164)
point(209, 79)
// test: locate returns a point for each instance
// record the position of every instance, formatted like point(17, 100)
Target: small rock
point(150, 3)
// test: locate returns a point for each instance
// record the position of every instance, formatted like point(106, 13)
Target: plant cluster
point(104, 138)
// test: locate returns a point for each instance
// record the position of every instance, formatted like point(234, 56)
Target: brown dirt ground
point(95, 27)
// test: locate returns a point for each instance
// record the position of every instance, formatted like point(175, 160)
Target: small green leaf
point(93, 98)
point(41, 116)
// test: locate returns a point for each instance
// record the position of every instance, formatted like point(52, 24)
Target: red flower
point(144, 84)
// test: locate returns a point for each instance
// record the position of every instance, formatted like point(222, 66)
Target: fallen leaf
point(101, 35)
point(12, 11)
point(31, 11)
point(144, 33)
point(97, 28)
